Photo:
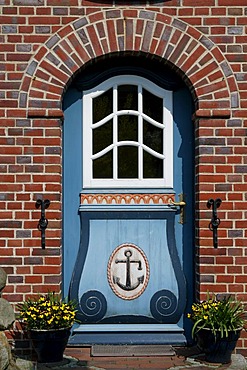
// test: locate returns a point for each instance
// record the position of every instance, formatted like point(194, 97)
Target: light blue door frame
point(72, 182)
point(91, 234)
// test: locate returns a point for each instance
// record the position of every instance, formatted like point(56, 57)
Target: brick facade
point(43, 44)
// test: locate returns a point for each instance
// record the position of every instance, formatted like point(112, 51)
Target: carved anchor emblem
point(128, 286)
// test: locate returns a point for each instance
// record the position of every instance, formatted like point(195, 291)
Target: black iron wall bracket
point(215, 221)
point(43, 222)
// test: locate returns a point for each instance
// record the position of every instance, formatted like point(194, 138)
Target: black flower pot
point(49, 345)
point(217, 349)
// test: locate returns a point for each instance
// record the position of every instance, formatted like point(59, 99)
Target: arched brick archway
point(201, 62)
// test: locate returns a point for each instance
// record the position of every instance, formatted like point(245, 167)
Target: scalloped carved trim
point(95, 199)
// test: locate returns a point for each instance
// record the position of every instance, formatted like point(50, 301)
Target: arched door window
point(127, 134)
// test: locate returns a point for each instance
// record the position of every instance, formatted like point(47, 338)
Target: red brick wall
point(42, 45)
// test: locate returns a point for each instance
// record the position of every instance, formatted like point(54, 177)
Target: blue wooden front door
point(128, 253)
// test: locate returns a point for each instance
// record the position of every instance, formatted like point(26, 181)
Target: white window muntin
point(167, 127)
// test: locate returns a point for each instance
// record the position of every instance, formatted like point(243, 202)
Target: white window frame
point(167, 126)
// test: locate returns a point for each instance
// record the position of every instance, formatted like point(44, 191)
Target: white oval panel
point(128, 271)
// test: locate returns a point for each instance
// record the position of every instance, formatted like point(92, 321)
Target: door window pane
point(153, 137)
point(152, 166)
point(103, 166)
point(102, 105)
point(128, 162)
point(127, 128)
point(102, 137)
point(152, 106)
point(127, 97)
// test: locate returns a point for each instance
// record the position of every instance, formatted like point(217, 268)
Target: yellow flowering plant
point(47, 311)
point(219, 316)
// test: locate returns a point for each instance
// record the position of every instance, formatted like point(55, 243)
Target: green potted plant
point(48, 319)
point(217, 324)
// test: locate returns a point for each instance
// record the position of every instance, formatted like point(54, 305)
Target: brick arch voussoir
point(197, 59)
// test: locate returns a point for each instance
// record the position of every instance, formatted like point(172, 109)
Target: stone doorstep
point(238, 363)
point(80, 358)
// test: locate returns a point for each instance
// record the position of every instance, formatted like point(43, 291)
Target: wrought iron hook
point(43, 222)
point(215, 221)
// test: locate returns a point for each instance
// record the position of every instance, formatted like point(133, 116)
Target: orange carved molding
point(121, 199)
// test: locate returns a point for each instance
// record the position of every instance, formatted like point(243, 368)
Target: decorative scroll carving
point(163, 305)
point(121, 199)
point(93, 306)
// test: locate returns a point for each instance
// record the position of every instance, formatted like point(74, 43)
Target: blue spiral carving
point(93, 306)
point(163, 306)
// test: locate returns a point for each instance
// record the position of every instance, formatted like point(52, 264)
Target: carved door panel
point(131, 270)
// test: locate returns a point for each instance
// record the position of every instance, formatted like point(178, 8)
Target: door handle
point(180, 204)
